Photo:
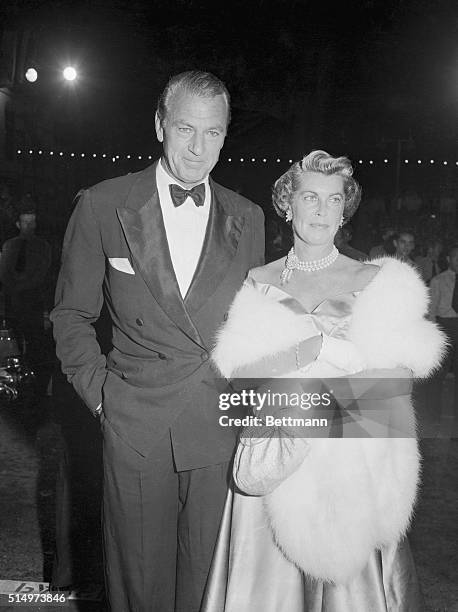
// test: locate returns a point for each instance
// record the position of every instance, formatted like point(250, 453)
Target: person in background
point(24, 267)
point(404, 244)
point(428, 264)
point(386, 247)
point(342, 239)
point(444, 310)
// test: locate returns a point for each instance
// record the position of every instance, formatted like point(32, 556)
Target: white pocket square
point(122, 264)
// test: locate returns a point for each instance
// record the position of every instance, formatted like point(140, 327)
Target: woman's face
point(317, 206)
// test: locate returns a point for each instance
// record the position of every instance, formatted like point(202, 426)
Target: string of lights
point(116, 158)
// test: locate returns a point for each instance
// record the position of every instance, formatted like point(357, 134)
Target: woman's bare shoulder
point(366, 272)
point(269, 273)
point(360, 272)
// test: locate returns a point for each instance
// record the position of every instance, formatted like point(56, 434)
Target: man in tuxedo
point(166, 248)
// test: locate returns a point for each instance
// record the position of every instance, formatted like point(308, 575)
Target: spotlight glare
point(31, 75)
point(69, 73)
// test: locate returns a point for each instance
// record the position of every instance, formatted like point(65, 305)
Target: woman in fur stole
point(331, 536)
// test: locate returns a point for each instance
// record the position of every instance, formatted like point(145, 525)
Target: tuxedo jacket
point(158, 377)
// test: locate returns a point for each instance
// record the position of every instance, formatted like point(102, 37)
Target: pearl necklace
point(294, 263)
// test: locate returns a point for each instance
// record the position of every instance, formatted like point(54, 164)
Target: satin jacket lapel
point(144, 230)
point(219, 249)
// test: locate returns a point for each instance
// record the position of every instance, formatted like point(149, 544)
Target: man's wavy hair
point(317, 161)
point(195, 82)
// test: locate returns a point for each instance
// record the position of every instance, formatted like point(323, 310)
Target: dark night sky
point(300, 75)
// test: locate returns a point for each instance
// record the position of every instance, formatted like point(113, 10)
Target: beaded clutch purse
point(265, 457)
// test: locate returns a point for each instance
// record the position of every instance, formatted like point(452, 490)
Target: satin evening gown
point(249, 572)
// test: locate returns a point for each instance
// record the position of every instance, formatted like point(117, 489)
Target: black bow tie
point(179, 194)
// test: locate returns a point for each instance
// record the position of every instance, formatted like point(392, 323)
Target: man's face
point(27, 223)
point(405, 244)
point(192, 135)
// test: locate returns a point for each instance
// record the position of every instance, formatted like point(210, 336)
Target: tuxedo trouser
point(159, 526)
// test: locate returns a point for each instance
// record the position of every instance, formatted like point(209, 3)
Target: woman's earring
point(289, 215)
point(341, 222)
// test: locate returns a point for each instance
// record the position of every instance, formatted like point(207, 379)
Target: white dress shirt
point(185, 227)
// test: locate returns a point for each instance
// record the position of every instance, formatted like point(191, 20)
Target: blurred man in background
point(24, 267)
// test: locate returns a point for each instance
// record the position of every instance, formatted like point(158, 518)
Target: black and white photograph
point(229, 305)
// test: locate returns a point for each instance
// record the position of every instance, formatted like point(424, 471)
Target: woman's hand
point(286, 362)
point(308, 350)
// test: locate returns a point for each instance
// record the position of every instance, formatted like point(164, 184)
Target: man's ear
point(18, 225)
point(159, 129)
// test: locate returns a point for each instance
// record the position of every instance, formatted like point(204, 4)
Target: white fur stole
point(350, 496)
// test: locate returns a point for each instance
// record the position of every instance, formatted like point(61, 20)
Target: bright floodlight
point(69, 73)
point(31, 75)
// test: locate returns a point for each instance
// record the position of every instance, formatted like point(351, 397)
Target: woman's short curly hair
point(317, 161)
